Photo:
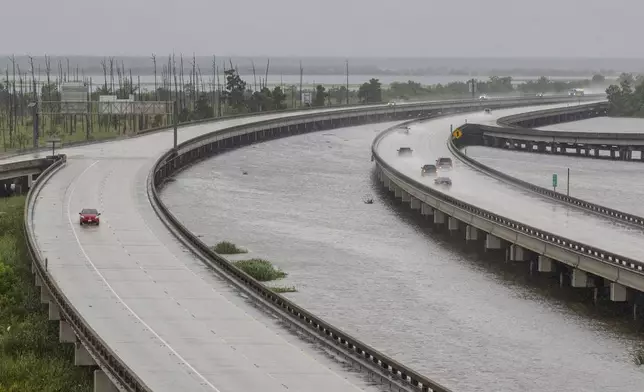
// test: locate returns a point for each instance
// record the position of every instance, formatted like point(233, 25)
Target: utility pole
point(175, 107)
point(347, 81)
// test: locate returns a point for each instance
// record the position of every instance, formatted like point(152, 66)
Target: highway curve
point(429, 142)
point(178, 326)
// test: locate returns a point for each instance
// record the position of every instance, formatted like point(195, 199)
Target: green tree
point(279, 98)
point(234, 94)
point(320, 95)
point(370, 92)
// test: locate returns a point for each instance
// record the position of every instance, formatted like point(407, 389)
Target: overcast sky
point(397, 28)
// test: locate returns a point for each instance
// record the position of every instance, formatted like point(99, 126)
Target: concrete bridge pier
point(492, 242)
point(545, 264)
point(452, 224)
point(439, 217)
point(415, 203)
point(471, 233)
point(426, 210)
point(82, 357)
point(581, 278)
point(102, 383)
point(516, 253)
point(392, 186)
point(385, 180)
point(406, 197)
point(618, 293)
point(398, 192)
point(65, 332)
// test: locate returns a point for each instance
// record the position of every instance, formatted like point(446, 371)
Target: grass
point(260, 269)
point(228, 248)
point(31, 358)
point(283, 289)
point(638, 357)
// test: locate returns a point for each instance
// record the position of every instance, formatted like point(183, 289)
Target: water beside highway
point(383, 276)
point(614, 184)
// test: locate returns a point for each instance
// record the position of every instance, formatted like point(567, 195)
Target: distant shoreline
point(376, 67)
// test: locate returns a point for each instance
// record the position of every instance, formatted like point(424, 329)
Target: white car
point(443, 181)
point(540, 95)
point(483, 97)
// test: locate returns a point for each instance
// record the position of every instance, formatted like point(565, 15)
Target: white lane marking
point(71, 224)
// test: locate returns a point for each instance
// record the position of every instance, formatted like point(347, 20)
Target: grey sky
point(418, 28)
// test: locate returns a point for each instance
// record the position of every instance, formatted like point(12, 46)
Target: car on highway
point(443, 181)
point(540, 95)
point(89, 216)
point(427, 169)
point(483, 97)
point(444, 163)
point(487, 110)
point(405, 151)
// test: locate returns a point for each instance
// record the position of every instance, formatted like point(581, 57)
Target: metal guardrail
point(100, 351)
point(518, 227)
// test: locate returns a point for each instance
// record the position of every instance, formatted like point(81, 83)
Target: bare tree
point(156, 90)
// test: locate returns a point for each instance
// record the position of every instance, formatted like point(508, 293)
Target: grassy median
point(260, 269)
point(31, 359)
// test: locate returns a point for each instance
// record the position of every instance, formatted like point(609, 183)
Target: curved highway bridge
point(161, 311)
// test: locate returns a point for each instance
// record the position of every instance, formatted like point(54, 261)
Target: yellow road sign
point(457, 134)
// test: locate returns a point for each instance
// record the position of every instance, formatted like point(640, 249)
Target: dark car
point(443, 181)
point(404, 151)
point(427, 169)
point(89, 216)
point(444, 163)
point(487, 110)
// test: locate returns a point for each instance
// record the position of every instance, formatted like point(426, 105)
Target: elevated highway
point(529, 226)
point(144, 309)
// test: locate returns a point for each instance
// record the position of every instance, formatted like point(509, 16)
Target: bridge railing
point(474, 130)
point(107, 359)
point(513, 225)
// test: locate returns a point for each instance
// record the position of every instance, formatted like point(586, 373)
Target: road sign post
point(568, 183)
point(554, 182)
point(53, 143)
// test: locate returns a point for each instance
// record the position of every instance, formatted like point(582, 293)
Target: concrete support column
point(612, 154)
point(517, 253)
point(595, 152)
point(102, 383)
point(66, 333)
point(426, 209)
point(38, 281)
point(44, 295)
point(54, 311)
point(406, 197)
point(415, 203)
point(385, 181)
point(492, 242)
point(544, 264)
point(81, 356)
point(439, 217)
point(471, 233)
point(392, 186)
point(30, 180)
point(452, 224)
point(398, 192)
point(617, 292)
point(580, 278)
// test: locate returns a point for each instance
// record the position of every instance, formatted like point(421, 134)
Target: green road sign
point(554, 180)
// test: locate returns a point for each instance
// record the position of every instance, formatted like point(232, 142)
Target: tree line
point(196, 94)
point(626, 98)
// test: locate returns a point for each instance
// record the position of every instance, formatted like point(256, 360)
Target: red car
point(89, 216)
